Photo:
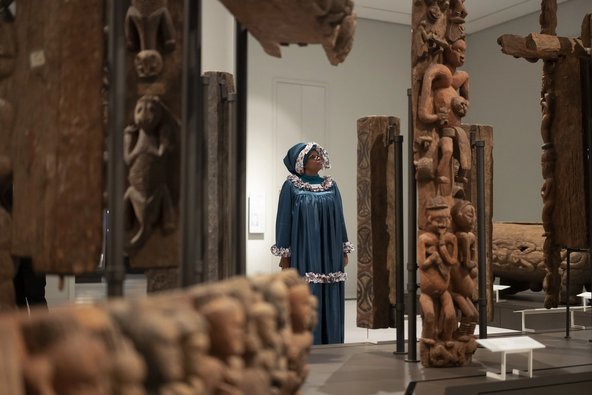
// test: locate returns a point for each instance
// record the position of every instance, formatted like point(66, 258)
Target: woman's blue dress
point(310, 228)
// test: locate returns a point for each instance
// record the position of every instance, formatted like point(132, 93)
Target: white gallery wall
point(217, 38)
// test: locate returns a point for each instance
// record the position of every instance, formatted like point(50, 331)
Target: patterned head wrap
point(296, 157)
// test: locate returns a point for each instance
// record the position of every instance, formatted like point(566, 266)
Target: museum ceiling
point(483, 13)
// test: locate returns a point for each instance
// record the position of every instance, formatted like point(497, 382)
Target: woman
point(311, 235)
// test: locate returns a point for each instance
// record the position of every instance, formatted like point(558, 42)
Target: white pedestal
point(511, 345)
point(496, 289)
point(585, 296)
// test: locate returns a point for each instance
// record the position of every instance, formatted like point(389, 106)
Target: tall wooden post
point(565, 191)
point(446, 247)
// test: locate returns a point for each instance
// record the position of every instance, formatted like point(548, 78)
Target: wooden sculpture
point(437, 252)
point(148, 29)
point(446, 250)
point(153, 29)
point(330, 23)
point(147, 145)
point(242, 336)
point(563, 161)
point(58, 137)
point(519, 261)
point(376, 221)
point(152, 148)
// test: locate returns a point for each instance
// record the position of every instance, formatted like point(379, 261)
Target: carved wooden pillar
point(564, 191)
point(376, 222)
point(219, 94)
point(154, 32)
point(447, 244)
point(58, 137)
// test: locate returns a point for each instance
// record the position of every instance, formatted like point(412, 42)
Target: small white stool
point(511, 345)
point(585, 296)
point(496, 289)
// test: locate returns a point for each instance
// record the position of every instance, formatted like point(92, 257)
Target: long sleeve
point(283, 223)
point(347, 246)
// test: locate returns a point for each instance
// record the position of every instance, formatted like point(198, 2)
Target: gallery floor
point(366, 363)
point(369, 366)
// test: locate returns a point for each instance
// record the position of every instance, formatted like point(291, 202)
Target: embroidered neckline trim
point(298, 183)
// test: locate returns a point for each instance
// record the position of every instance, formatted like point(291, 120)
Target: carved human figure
point(428, 41)
point(126, 366)
point(275, 292)
point(437, 250)
point(303, 307)
point(456, 20)
point(227, 321)
point(159, 341)
point(464, 219)
point(146, 147)
point(75, 373)
point(202, 369)
point(148, 28)
point(266, 365)
point(193, 341)
point(462, 276)
point(427, 44)
point(442, 103)
point(54, 364)
point(128, 369)
point(163, 336)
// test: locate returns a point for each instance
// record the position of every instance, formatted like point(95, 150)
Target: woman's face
point(313, 164)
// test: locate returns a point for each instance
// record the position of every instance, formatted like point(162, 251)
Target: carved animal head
point(148, 113)
point(148, 63)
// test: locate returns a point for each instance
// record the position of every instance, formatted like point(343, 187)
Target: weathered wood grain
point(59, 134)
point(376, 222)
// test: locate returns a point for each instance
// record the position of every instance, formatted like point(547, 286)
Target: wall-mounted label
point(257, 213)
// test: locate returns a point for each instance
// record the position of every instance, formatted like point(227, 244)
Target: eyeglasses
point(315, 157)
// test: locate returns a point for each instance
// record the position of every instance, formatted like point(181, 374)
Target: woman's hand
point(345, 260)
point(285, 262)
